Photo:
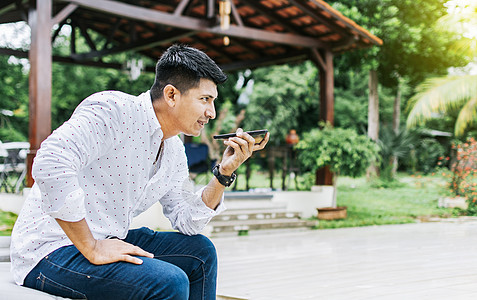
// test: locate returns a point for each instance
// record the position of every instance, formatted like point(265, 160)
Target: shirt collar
point(154, 124)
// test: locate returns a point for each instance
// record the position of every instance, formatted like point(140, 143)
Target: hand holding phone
point(254, 133)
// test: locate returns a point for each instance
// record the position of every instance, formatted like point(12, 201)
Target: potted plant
point(343, 150)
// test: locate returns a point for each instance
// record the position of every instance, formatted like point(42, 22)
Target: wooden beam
point(6, 5)
point(236, 14)
point(73, 39)
point(86, 36)
point(21, 5)
point(195, 24)
point(142, 44)
point(63, 14)
point(39, 19)
point(327, 88)
point(210, 9)
point(343, 45)
point(255, 63)
point(317, 59)
point(69, 60)
point(57, 31)
point(11, 17)
point(113, 30)
point(267, 36)
point(180, 8)
point(324, 176)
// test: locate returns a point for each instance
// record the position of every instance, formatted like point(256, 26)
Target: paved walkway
point(413, 261)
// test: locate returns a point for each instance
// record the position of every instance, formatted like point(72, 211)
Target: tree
point(13, 101)
point(443, 95)
point(413, 48)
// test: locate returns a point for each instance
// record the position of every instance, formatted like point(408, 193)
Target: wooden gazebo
point(237, 34)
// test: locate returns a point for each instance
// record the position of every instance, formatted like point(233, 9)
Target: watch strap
point(223, 179)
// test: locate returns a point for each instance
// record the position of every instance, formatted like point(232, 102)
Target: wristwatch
point(224, 180)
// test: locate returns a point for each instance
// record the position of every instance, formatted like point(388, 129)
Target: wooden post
point(325, 64)
point(39, 19)
point(327, 90)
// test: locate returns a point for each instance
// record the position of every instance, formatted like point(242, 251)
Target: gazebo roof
point(261, 32)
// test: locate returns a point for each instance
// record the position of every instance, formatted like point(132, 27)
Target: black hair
point(183, 67)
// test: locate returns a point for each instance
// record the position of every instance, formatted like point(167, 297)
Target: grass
point(405, 200)
point(7, 220)
point(409, 199)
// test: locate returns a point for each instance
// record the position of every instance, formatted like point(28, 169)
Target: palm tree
point(443, 94)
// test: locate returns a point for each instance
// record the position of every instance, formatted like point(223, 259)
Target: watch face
point(215, 170)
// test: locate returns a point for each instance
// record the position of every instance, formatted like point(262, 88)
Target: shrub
point(463, 173)
point(424, 156)
point(343, 150)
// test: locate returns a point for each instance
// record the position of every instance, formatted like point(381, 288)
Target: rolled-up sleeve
point(91, 131)
point(183, 206)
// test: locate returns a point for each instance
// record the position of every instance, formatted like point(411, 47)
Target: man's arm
point(239, 149)
point(100, 252)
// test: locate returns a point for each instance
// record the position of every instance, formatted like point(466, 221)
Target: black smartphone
point(252, 133)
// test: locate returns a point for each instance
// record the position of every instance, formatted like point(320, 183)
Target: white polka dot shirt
point(99, 165)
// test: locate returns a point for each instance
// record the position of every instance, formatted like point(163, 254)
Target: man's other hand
point(114, 250)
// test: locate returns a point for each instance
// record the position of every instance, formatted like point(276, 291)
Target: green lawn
point(7, 219)
point(410, 198)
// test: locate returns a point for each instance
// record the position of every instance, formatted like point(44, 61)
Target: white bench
point(9, 290)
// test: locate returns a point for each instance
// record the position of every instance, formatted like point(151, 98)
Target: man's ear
point(171, 95)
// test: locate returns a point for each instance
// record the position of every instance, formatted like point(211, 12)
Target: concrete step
point(254, 204)
point(249, 196)
point(4, 254)
point(5, 241)
point(255, 214)
point(246, 225)
point(4, 248)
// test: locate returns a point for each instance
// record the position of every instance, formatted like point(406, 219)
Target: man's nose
point(210, 112)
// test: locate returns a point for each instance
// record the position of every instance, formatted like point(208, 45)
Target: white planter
point(306, 202)
point(451, 202)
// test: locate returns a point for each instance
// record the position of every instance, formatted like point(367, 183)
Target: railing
point(13, 165)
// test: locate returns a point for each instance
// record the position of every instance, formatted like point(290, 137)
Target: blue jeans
point(183, 267)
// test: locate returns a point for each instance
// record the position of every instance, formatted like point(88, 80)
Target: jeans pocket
point(49, 286)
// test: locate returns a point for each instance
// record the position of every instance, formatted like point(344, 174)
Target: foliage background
point(287, 96)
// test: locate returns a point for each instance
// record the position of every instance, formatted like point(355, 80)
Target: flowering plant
point(463, 172)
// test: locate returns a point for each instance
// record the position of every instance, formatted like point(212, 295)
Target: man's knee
point(179, 285)
point(206, 248)
point(176, 287)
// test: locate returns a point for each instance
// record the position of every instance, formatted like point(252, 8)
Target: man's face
point(196, 107)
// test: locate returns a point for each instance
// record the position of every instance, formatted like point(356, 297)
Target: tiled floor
point(413, 261)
